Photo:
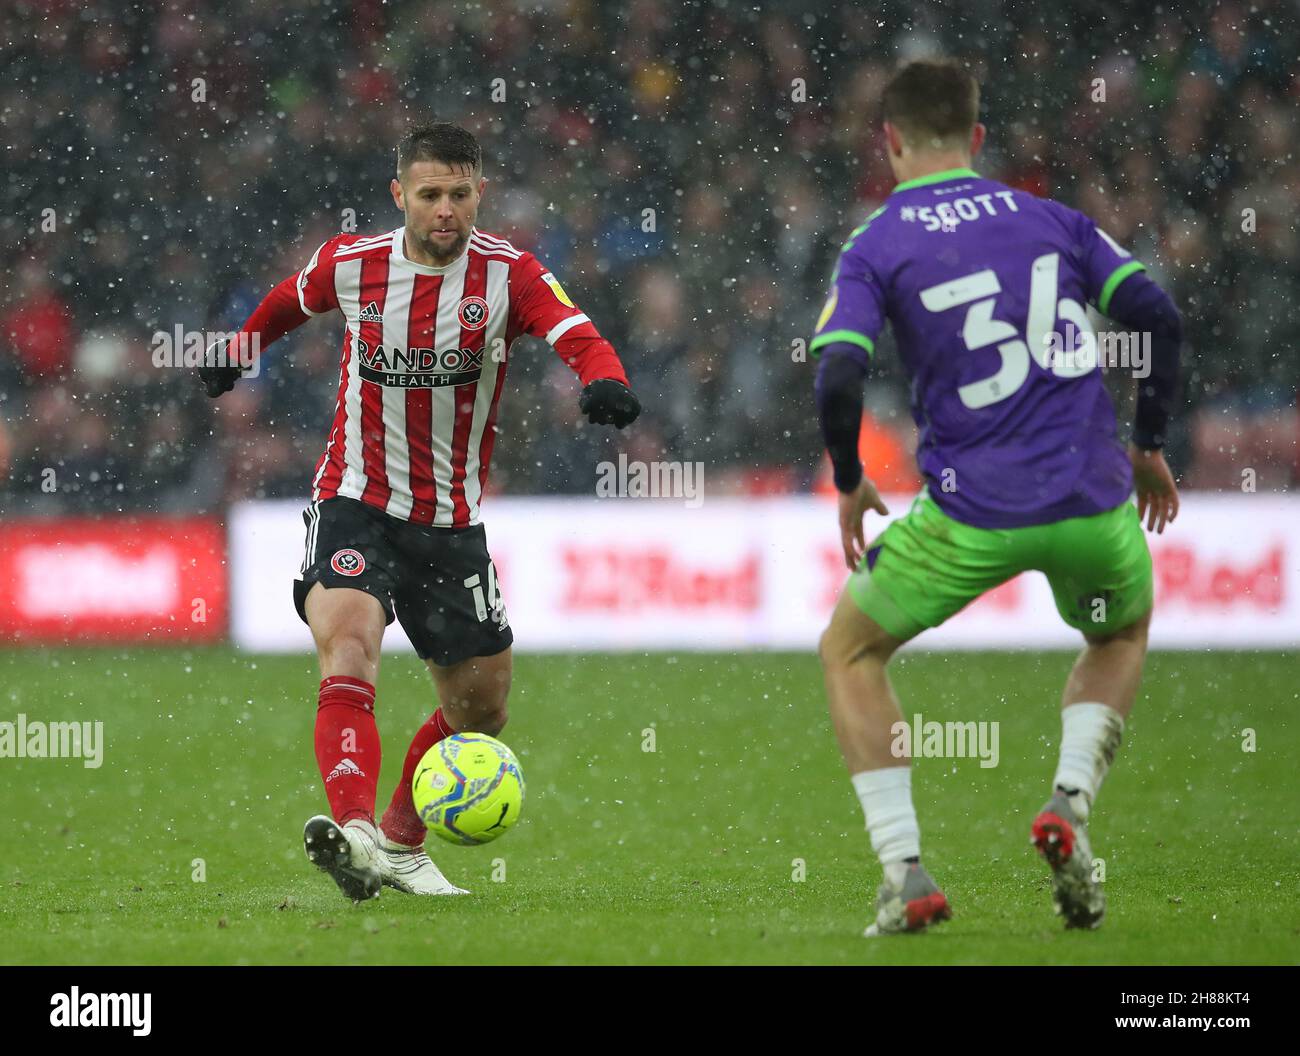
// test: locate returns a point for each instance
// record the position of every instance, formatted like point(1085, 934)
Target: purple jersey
point(985, 287)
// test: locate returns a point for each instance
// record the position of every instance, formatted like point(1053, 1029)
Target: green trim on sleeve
point(858, 230)
point(832, 337)
point(1112, 284)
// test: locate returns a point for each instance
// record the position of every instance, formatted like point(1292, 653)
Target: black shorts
point(440, 580)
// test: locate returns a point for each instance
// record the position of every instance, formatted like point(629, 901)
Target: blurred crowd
point(689, 171)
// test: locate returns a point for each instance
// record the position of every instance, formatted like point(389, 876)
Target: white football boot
point(409, 869)
point(349, 853)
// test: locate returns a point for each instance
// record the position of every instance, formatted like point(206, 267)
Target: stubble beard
point(443, 257)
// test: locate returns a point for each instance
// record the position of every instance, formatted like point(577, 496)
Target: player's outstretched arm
point(1120, 288)
point(228, 359)
point(544, 310)
point(1141, 304)
point(845, 337)
point(292, 302)
point(838, 388)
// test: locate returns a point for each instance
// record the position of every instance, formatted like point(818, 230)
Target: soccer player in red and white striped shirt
point(430, 311)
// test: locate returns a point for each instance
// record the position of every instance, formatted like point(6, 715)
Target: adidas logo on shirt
point(370, 314)
point(346, 767)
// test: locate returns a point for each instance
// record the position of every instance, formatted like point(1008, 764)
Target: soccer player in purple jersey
point(986, 288)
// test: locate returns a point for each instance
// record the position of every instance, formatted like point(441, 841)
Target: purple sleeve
point(1106, 264)
point(854, 313)
point(1140, 303)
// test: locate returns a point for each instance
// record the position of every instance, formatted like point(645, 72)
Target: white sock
point(886, 798)
point(1090, 736)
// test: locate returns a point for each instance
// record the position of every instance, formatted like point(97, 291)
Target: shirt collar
point(399, 252)
point(936, 177)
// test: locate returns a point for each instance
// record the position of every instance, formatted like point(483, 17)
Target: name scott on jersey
point(947, 215)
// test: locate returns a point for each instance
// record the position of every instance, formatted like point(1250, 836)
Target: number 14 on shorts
point(492, 599)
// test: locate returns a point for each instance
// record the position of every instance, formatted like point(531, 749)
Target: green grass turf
point(684, 854)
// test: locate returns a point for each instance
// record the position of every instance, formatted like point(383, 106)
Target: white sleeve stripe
point(302, 280)
point(564, 326)
point(302, 283)
point(493, 240)
point(488, 248)
point(365, 245)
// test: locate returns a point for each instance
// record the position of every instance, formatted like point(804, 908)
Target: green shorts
point(925, 567)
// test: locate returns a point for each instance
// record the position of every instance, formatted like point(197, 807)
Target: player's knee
point(1141, 627)
point(494, 695)
point(839, 649)
point(492, 720)
point(826, 648)
point(1135, 632)
point(349, 653)
point(476, 692)
point(481, 713)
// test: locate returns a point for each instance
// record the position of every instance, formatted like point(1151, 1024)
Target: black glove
point(215, 375)
point(609, 402)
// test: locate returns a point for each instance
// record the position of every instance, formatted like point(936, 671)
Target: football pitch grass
point(736, 840)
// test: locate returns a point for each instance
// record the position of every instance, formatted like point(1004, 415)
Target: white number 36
point(980, 329)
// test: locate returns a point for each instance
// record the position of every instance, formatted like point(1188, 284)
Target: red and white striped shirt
point(423, 362)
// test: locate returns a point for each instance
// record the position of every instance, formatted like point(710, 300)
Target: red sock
point(347, 747)
point(401, 822)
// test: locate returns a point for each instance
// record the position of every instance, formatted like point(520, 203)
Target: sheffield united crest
point(473, 313)
point(348, 563)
